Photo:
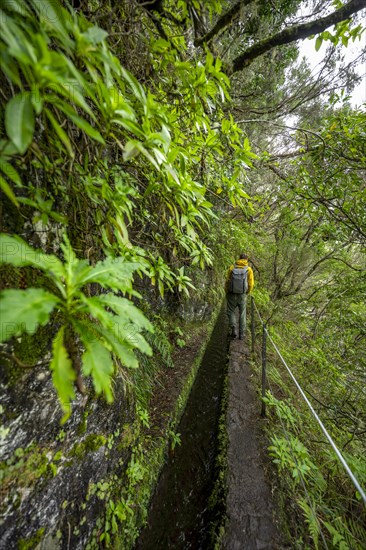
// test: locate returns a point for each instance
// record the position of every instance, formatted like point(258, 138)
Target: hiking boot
point(233, 332)
point(241, 336)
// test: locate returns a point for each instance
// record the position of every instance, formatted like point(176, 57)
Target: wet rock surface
point(57, 481)
point(250, 509)
point(47, 470)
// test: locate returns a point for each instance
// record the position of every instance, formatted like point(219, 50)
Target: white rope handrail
point(324, 430)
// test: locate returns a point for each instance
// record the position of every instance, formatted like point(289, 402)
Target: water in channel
point(179, 516)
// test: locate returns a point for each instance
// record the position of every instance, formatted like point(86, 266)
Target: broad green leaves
point(293, 457)
point(97, 362)
point(122, 306)
point(77, 87)
point(15, 251)
point(19, 121)
point(138, 161)
point(114, 273)
point(343, 32)
point(63, 374)
point(24, 310)
point(106, 336)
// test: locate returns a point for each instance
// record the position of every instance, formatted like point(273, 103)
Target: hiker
point(239, 282)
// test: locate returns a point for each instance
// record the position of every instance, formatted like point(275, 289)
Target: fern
point(312, 521)
point(147, 376)
point(337, 537)
point(356, 531)
point(160, 343)
point(346, 534)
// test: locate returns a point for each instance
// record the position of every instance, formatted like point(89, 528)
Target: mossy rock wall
point(48, 471)
point(87, 481)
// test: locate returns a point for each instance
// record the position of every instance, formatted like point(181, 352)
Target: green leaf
point(121, 331)
point(161, 288)
point(95, 35)
point(15, 251)
point(53, 16)
point(10, 171)
point(131, 126)
point(140, 147)
point(60, 132)
point(7, 148)
point(63, 375)
point(24, 310)
point(97, 362)
point(19, 121)
point(80, 122)
point(83, 83)
point(95, 308)
point(318, 43)
point(160, 45)
point(114, 336)
point(5, 187)
point(130, 151)
point(123, 109)
point(16, 6)
point(138, 341)
point(122, 306)
point(122, 350)
point(136, 87)
point(114, 273)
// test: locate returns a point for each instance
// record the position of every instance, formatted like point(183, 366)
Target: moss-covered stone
point(30, 348)
point(67, 458)
point(27, 466)
point(92, 443)
point(31, 542)
point(83, 424)
point(217, 500)
point(129, 434)
point(27, 350)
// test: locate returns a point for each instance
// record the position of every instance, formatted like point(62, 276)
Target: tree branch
point(223, 22)
point(296, 128)
point(292, 34)
point(277, 172)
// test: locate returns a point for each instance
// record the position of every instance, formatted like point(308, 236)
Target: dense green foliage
point(109, 160)
point(133, 168)
point(316, 274)
point(100, 331)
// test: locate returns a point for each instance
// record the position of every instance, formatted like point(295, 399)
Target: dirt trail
point(250, 523)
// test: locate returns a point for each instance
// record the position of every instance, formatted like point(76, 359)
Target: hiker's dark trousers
point(234, 301)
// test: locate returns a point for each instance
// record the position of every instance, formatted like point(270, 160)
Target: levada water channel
point(180, 516)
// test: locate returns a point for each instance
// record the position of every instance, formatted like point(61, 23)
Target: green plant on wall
point(109, 325)
point(175, 439)
point(62, 78)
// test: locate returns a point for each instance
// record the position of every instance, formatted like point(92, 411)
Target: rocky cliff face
point(88, 481)
point(82, 483)
point(55, 479)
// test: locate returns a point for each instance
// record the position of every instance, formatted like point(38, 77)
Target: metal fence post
point(264, 359)
point(252, 327)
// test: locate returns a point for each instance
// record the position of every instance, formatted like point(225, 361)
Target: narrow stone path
point(250, 524)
